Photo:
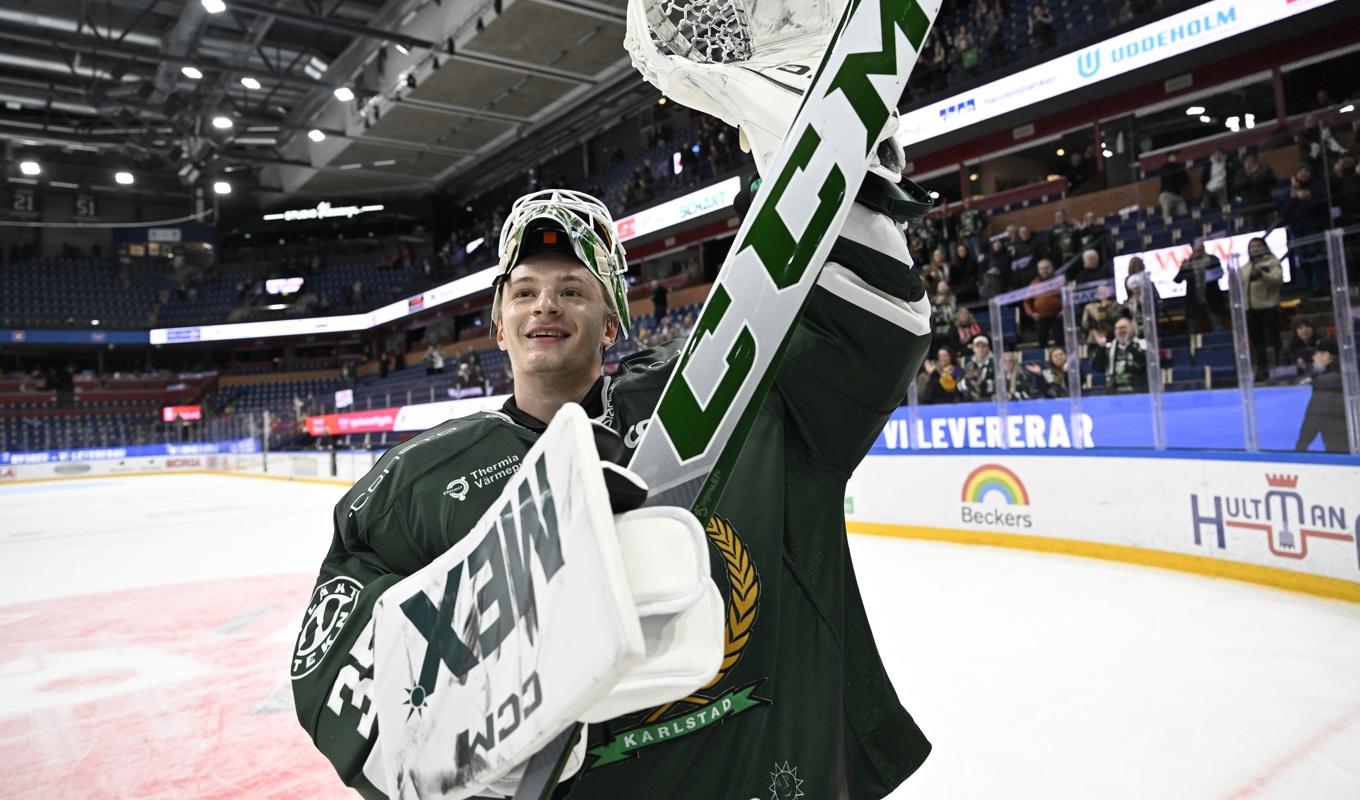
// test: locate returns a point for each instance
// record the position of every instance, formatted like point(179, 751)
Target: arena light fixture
point(1061, 152)
point(1346, 109)
point(221, 123)
point(1194, 111)
point(94, 322)
point(1249, 120)
point(1206, 119)
point(250, 83)
point(316, 135)
point(222, 187)
point(344, 94)
point(214, 6)
point(1107, 153)
point(123, 178)
point(30, 168)
point(191, 72)
point(401, 48)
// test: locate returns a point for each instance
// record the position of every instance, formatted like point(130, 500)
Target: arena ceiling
point(460, 92)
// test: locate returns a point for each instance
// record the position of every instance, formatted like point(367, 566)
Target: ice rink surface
point(146, 625)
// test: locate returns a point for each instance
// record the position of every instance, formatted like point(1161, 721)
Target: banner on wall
point(1163, 263)
point(417, 417)
point(1301, 517)
point(238, 446)
point(1201, 420)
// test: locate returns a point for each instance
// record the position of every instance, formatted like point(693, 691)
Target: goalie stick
point(710, 402)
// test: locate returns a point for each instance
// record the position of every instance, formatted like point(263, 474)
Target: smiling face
point(555, 320)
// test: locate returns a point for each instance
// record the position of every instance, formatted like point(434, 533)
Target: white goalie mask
point(569, 222)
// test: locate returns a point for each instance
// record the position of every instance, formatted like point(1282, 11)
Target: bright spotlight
point(222, 187)
point(30, 168)
point(191, 72)
point(1194, 111)
point(214, 6)
point(122, 178)
point(221, 123)
point(344, 94)
point(316, 135)
point(250, 83)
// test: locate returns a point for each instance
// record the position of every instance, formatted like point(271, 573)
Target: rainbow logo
point(994, 480)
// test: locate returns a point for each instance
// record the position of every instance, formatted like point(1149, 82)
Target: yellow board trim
point(1331, 588)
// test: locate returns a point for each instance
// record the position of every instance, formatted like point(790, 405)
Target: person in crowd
point(966, 329)
point(1050, 378)
point(1045, 309)
point(1325, 415)
point(967, 50)
point(939, 263)
point(1077, 172)
point(434, 361)
point(1316, 143)
point(922, 241)
point(1306, 214)
point(1019, 386)
point(995, 277)
point(1099, 315)
point(1263, 276)
point(936, 61)
point(660, 297)
point(1123, 359)
point(972, 225)
point(1203, 296)
point(1092, 232)
point(1299, 352)
point(1133, 292)
point(963, 272)
point(943, 307)
point(1252, 185)
point(1062, 238)
point(1025, 250)
point(988, 16)
point(384, 365)
point(1093, 268)
point(944, 379)
point(1216, 179)
point(979, 371)
point(1171, 191)
point(1346, 189)
point(1041, 29)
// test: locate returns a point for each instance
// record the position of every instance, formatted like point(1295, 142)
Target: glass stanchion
point(1246, 383)
point(1345, 337)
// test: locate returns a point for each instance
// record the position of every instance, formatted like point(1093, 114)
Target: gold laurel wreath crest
point(743, 586)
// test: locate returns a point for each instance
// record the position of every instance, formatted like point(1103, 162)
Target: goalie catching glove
point(565, 603)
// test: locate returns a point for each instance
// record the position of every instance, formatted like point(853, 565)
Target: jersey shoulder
point(451, 440)
point(650, 365)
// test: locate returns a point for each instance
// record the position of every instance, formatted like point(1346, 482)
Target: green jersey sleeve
point(863, 336)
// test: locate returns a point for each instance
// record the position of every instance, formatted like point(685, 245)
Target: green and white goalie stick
point(813, 87)
point(848, 76)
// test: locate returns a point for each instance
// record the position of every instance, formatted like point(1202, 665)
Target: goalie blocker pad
point(551, 610)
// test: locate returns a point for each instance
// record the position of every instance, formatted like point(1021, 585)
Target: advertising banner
point(400, 418)
point(1202, 420)
point(1163, 264)
point(1296, 516)
point(116, 453)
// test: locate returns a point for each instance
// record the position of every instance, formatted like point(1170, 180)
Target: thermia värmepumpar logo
point(1282, 515)
point(988, 493)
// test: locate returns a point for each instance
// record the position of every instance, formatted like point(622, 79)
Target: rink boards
point(1284, 521)
point(1289, 521)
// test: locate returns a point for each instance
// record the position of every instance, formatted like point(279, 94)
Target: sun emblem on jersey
point(706, 706)
point(785, 783)
point(415, 698)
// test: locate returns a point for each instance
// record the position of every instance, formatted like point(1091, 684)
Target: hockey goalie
point(496, 580)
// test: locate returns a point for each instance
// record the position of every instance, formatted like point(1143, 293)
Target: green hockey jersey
point(802, 706)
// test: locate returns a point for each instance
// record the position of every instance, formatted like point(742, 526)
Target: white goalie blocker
point(552, 610)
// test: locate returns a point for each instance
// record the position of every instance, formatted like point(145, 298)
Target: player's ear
point(611, 330)
point(500, 334)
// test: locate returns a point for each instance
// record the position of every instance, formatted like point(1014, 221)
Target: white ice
point(1034, 675)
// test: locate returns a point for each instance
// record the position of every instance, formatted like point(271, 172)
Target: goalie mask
point(572, 223)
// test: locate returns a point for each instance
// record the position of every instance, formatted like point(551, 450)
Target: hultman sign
point(322, 211)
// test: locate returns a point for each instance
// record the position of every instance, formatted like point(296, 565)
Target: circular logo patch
point(331, 604)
